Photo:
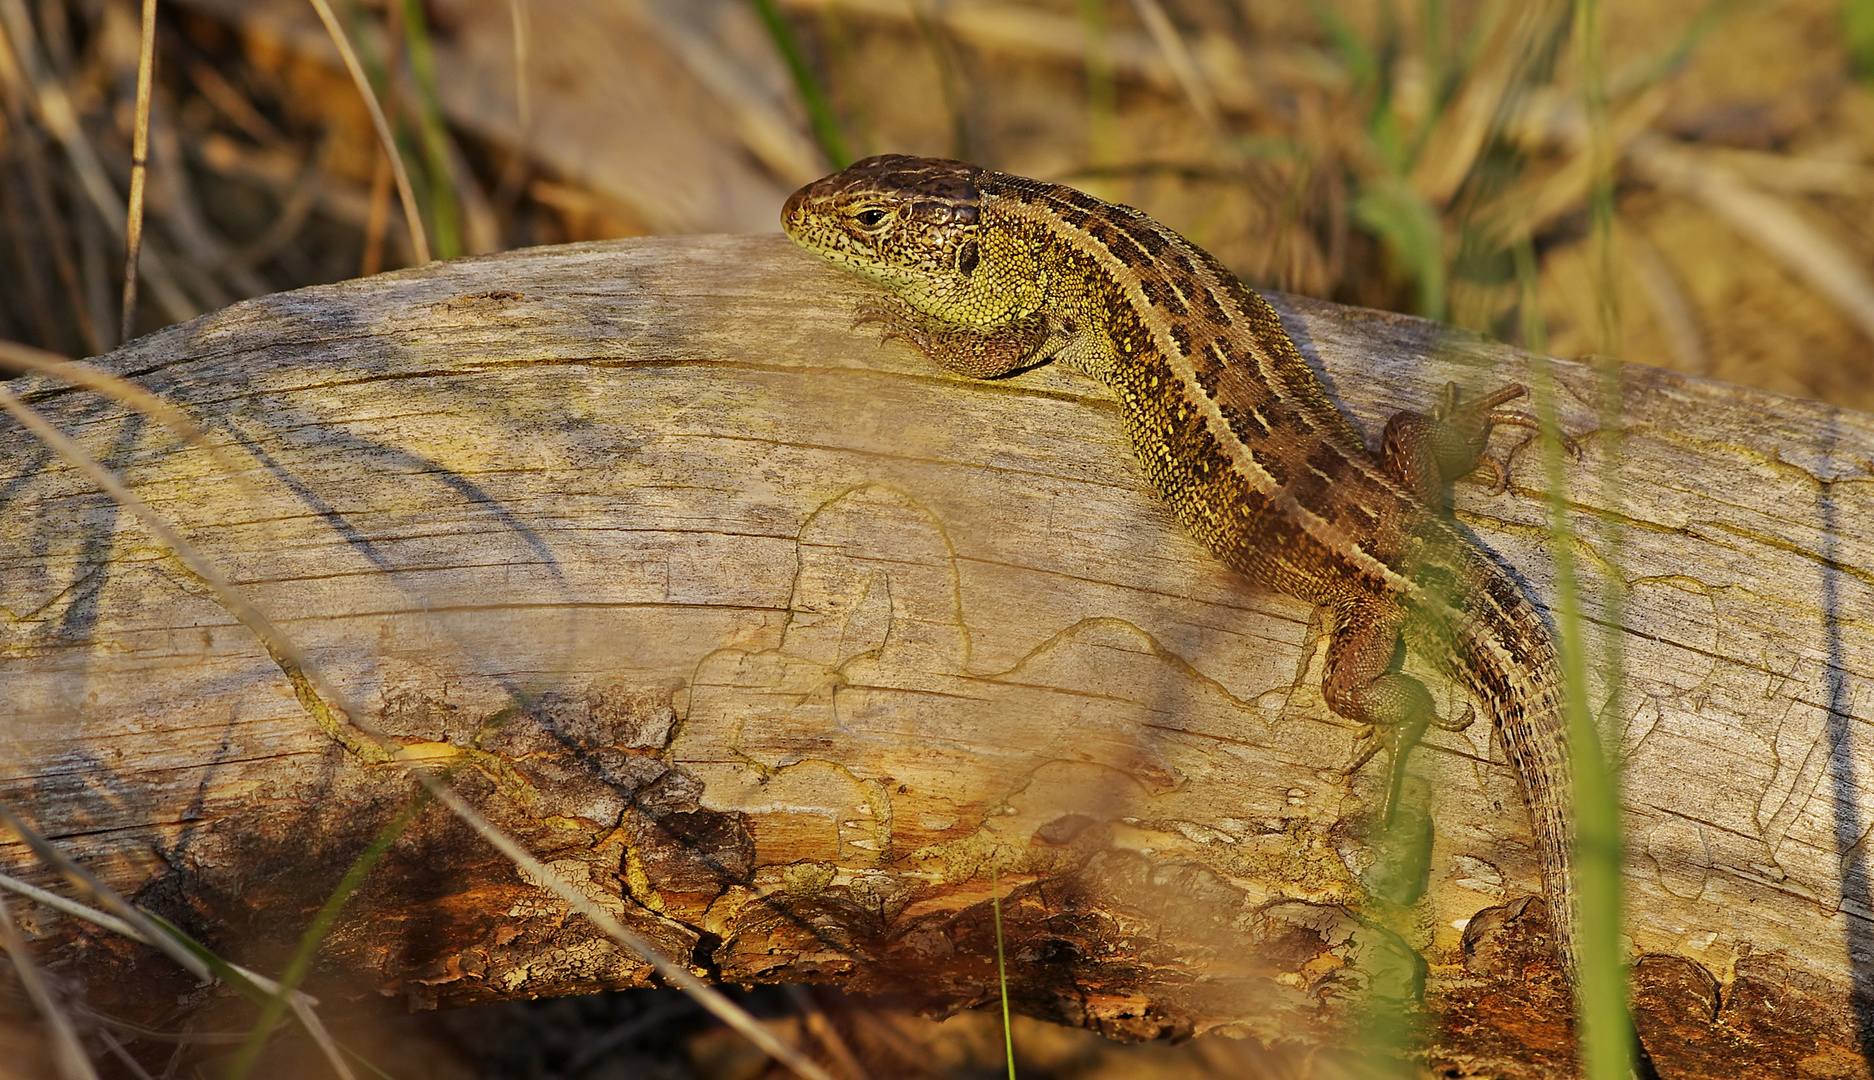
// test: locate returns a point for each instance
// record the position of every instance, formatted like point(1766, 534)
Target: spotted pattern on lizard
point(990, 273)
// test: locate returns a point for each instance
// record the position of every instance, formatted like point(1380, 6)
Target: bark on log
point(793, 650)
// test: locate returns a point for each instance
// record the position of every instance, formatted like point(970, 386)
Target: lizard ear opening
point(967, 257)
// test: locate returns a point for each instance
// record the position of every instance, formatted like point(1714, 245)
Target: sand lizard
point(989, 273)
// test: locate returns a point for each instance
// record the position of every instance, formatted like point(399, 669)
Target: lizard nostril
point(791, 211)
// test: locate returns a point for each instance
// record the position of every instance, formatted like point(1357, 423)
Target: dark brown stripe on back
point(1142, 234)
point(1159, 293)
point(1182, 338)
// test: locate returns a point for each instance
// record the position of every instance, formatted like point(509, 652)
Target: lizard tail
point(1514, 671)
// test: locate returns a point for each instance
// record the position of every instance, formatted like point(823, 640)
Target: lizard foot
point(890, 312)
point(1484, 415)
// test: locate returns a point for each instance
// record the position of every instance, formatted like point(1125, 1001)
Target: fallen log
point(793, 651)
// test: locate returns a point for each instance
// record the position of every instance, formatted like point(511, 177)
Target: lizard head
point(910, 224)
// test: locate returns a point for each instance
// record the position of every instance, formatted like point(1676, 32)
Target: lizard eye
point(870, 218)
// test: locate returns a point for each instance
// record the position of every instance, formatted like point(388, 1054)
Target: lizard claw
point(1365, 746)
point(1484, 416)
point(888, 312)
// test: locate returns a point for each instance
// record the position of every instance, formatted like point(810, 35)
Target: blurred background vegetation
point(1430, 156)
point(1390, 153)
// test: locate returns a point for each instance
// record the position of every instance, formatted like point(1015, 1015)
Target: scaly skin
point(990, 273)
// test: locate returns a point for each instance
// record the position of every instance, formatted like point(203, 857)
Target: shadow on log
point(793, 650)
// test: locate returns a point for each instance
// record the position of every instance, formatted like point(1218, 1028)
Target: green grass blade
point(1605, 1026)
point(322, 922)
point(1391, 210)
point(1002, 971)
point(1857, 24)
point(820, 116)
point(1607, 1035)
point(445, 215)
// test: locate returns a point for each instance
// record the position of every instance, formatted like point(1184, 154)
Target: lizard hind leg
point(1360, 684)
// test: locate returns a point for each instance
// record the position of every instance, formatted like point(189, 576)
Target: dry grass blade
point(1675, 313)
point(204, 252)
point(1797, 175)
point(623, 1033)
point(67, 1051)
point(321, 1038)
point(707, 996)
point(139, 167)
point(123, 1056)
point(523, 96)
point(821, 1026)
point(764, 128)
point(1183, 66)
point(116, 925)
point(301, 199)
point(17, 357)
point(419, 240)
point(1766, 219)
point(1023, 32)
point(47, 898)
point(311, 686)
point(146, 929)
point(1478, 108)
point(60, 117)
point(1562, 190)
point(301, 1003)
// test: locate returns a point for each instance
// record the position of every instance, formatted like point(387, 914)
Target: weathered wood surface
point(781, 642)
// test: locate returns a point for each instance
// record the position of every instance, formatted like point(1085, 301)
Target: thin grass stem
point(419, 238)
point(820, 114)
point(115, 925)
point(139, 167)
point(55, 236)
point(1606, 1028)
point(1183, 67)
point(821, 1026)
point(445, 207)
point(519, 19)
point(123, 1056)
point(67, 1051)
point(155, 931)
point(375, 218)
point(38, 297)
point(1607, 1034)
point(60, 117)
point(17, 357)
point(48, 898)
point(150, 929)
point(1002, 971)
point(301, 962)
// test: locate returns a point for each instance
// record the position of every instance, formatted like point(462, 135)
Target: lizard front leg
point(977, 353)
point(1426, 452)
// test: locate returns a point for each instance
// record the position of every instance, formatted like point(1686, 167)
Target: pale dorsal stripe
point(1318, 528)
